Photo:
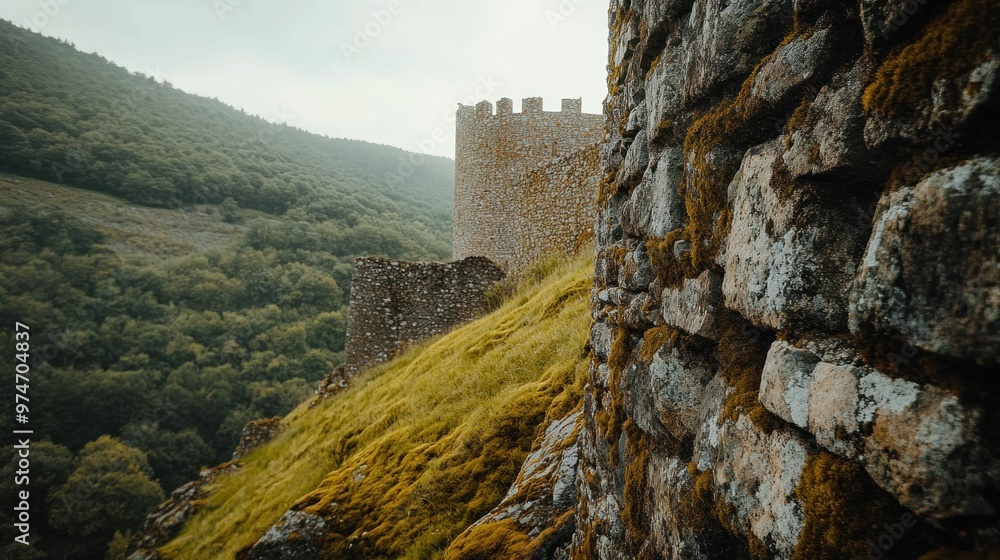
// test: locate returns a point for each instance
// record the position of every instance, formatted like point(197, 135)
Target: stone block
point(713, 29)
point(932, 269)
point(655, 207)
point(789, 259)
point(694, 305)
point(919, 443)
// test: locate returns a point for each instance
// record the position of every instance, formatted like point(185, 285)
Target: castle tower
point(523, 180)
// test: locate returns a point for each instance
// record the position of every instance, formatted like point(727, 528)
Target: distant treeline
point(76, 118)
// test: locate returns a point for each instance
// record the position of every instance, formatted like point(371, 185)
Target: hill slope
point(77, 118)
point(139, 234)
point(418, 449)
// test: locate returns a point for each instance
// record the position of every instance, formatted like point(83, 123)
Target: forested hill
point(79, 119)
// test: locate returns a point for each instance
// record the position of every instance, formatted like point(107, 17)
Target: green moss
point(954, 42)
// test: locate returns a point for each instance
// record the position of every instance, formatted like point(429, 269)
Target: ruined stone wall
point(797, 304)
point(395, 303)
point(506, 162)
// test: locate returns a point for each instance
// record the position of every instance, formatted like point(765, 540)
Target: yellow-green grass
point(139, 233)
point(399, 464)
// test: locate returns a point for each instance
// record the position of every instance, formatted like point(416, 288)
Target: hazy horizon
point(388, 71)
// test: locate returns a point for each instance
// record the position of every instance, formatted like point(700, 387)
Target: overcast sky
point(386, 71)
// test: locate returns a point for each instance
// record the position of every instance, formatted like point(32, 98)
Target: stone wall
point(797, 304)
point(394, 304)
point(506, 163)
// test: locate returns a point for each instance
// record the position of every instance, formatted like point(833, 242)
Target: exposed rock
point(756, 474)
point(789, 260)
point(944, 111)
point(636, 161)
point(918, 443)
point(539, 503)
point(709, 58)
point(655, 208)
point(257, 433)
point(296, 536)
point(693, 306)
point(785, 382)
point(828, 135)
point(167, 519)
point(663, 92)
point(641, 313)
point(335, 381)
point(790, 67)
point(636, 270)
point(932, 268)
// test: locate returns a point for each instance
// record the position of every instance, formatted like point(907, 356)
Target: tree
point(111, 489)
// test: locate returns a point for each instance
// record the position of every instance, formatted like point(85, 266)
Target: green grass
point(417, 449)
point(139, 234)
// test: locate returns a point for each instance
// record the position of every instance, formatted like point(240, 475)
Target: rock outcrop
point(167, 519)
point(797, 296)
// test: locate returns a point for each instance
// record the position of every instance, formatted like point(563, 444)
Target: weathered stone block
point(757, 474)
point(663, 93)
point(789, 259)
point(932, 268)
point(829, 133)
point(785, 382)
point(947, 108)
point(694, 305)
point(790, 67)
point(677, 382)
point(918, 443)
point(709, 58)
point(655, 207)
point(636, 270)
point(636, 162)
point(833, 407)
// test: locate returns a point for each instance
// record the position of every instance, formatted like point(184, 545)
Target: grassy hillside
point(420, 448)
point(79, 119)
point(139, 234)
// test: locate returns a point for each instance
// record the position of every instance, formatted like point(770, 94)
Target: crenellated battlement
point(519, 192)
point(529, 106)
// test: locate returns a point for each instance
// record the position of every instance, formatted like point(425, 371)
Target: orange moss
point(635, 493)
point(954, 42)
point(654, 339)
point(742, 351)
point(714, 520)
point(844, 510)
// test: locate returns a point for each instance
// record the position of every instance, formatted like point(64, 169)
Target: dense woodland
point(145, 370)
